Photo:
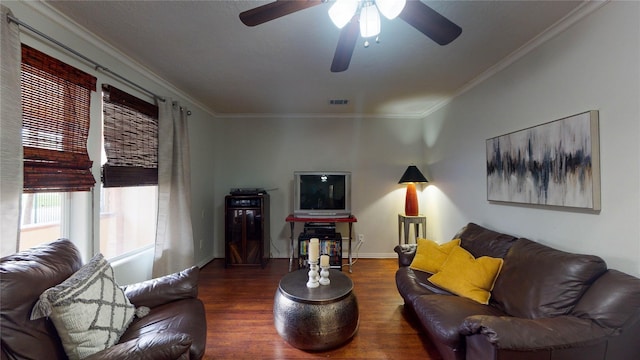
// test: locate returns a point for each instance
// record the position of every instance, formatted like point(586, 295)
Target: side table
point(404, 221)
point(315, 318)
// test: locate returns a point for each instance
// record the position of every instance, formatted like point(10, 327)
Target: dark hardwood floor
point(239, 305)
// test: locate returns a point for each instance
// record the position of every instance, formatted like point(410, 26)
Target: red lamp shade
point(410, 177)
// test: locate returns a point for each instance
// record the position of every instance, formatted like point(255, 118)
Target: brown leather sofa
point(546, 304)
point(175, 327)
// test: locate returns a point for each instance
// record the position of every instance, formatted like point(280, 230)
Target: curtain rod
point(97, 65)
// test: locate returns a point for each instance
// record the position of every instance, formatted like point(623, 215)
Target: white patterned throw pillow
point(89, 310)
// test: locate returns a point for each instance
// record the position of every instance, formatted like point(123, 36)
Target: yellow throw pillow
point(466, 276)
point(430, 255)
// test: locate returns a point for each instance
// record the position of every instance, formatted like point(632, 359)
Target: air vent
point(338, 101)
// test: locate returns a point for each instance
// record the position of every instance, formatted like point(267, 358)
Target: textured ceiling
point(282, 67)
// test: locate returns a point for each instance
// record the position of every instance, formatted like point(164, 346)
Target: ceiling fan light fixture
point(390, 8)
point(369, 20)
point(342, 11)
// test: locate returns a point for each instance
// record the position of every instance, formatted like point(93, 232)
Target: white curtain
point(10, 134)
point(174, 234)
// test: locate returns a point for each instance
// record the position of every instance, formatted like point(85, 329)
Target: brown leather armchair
point(175, 327)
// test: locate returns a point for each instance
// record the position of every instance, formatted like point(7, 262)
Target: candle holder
point(313, 274)
point(324, 276)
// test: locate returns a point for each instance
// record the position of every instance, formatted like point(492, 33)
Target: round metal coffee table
point(315, 318)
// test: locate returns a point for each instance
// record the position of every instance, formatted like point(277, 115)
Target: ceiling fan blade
point(274, 10)
point(430, 22)
point(346, 45)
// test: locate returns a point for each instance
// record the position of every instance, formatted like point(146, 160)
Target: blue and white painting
point(555, 164)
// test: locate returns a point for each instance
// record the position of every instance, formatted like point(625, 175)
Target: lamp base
point(411, 201)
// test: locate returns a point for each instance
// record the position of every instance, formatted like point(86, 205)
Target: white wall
point(594, 65)
point(203, 130)
point(580, 69)
point(265, 152)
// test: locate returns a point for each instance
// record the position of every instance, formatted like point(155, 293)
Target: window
point(129, 173)
point(56, 98)
point(42, 218)
point(127, 219)
point(55, 124)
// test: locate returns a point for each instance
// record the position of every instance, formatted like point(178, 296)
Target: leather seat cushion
point(480, 241)
point(538, 281)
point(413, 283)
point(442, 316)
point(182, 316)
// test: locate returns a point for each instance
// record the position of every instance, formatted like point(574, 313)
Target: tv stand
point(292, 219)
point(324, 215)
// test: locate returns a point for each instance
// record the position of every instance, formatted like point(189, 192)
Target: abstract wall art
point(553, 164)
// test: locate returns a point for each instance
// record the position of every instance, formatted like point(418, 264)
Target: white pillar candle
point(314, 249)
point(324, 260)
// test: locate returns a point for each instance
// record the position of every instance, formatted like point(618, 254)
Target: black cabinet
point(247, 237)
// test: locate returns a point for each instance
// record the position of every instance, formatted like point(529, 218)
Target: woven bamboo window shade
point(130, 129)
point(55, 124)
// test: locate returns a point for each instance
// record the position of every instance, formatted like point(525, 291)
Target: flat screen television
point(322, 194)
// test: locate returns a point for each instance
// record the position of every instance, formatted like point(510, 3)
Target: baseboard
point(204, 262)
point(392, 255)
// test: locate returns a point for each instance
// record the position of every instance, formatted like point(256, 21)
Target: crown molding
point(585, 9)
point(49, 12)
point(319, 116)
point(579, 13)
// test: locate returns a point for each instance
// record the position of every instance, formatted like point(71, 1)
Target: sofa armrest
point(162, 345)
point(521, 334)
point(406, 253)
point(165, 289)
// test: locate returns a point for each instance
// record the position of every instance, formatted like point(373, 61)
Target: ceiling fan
point(415, 13)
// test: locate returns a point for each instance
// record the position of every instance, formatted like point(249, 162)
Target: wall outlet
point(361, 237)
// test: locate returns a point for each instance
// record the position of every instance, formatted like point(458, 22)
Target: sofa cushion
point(160, 345)
point(89, 310)
point(612, 301)
point(464, 275)
point(430, 255)
point(164, 289)
point(480, 241)
point(408, 283)
point(23, 277)
point(538, 281)
point(181, 316)
point(442, 316)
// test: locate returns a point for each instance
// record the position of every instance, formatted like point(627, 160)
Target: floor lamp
point(410, 177)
